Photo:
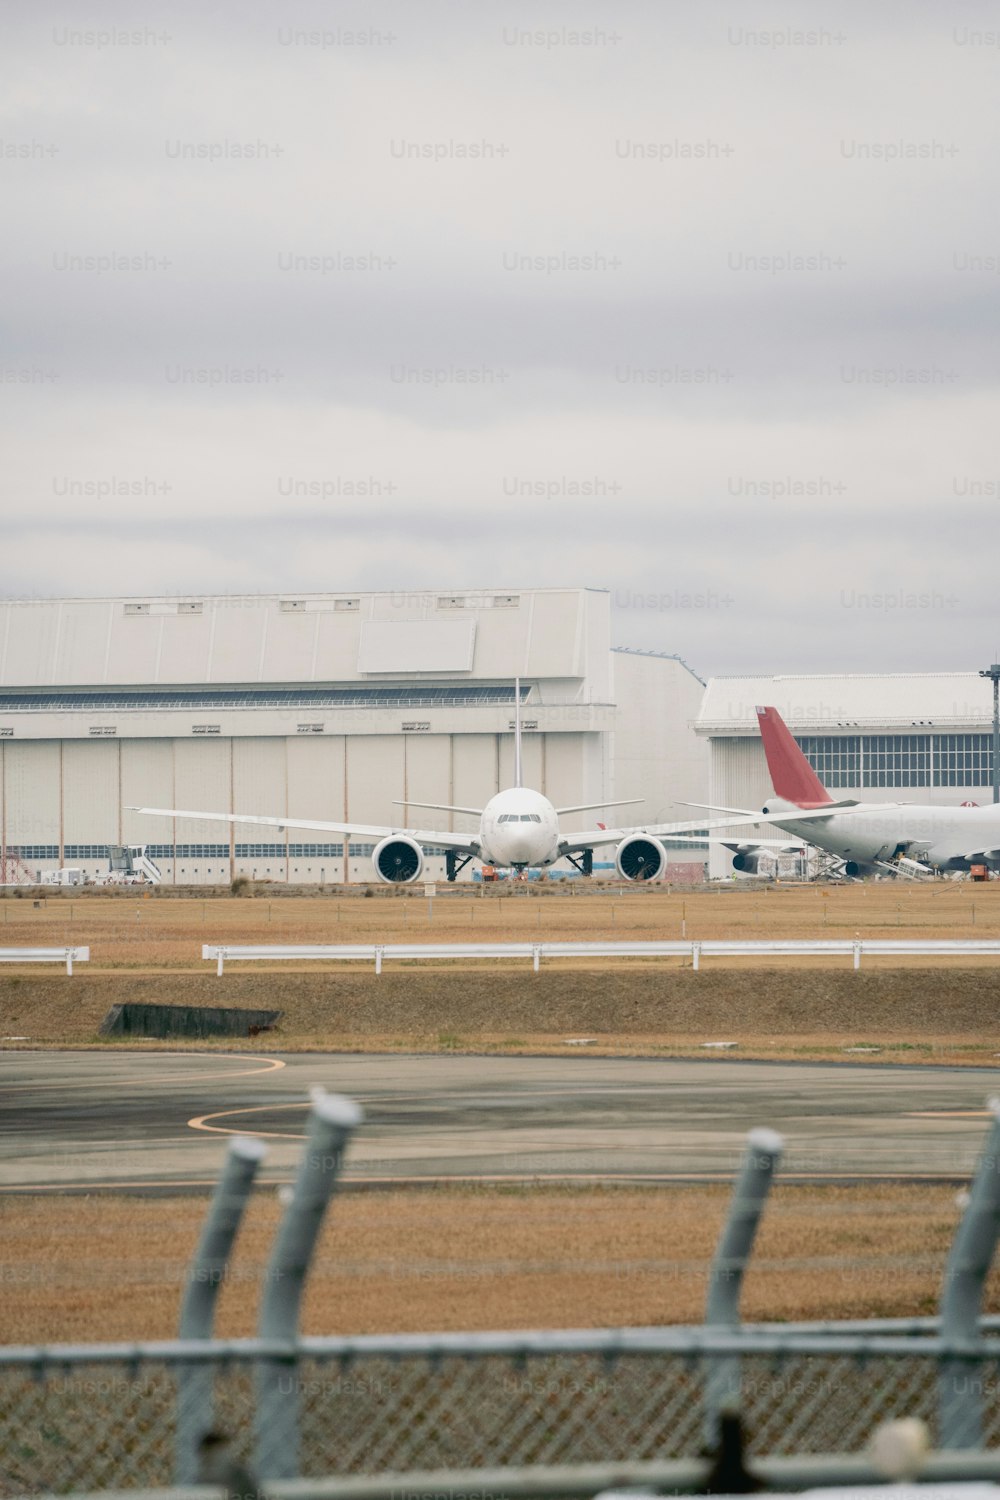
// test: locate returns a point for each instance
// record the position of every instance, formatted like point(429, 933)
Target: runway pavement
point(159, 1121)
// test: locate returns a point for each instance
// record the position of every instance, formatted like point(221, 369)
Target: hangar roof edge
point(897, 701)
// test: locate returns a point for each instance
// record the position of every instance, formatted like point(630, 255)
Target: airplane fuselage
point(942, 837)
point(519, 829)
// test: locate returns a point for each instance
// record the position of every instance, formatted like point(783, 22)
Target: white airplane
point(518, 830)
point(899, 838)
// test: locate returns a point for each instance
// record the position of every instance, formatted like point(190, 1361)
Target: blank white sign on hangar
point(417, 646)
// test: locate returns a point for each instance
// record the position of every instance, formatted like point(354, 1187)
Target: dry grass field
point(114, 1268)
point(134, 930)
point(148, 947)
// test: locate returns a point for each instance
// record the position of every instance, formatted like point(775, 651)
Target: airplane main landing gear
point(453, 863)
point(584, 862)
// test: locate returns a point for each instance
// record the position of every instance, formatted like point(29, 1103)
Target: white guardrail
point(67, 956)
point(696, 951)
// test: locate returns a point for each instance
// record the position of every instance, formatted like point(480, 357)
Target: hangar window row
point(188, 851)
point(899, 760)
point(200, 851)
point(244, 851)
point(124, 700)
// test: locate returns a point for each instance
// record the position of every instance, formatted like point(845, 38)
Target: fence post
point(69, 960)
point(857, 955)
point(695, 954)
point(725, 1280)
point(195, 1382)
point(378, 960)
point(331, 1123)
point(537, 955)
point(959, 1404)
point(220, 960)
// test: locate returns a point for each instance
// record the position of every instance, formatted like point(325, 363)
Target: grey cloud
point(692, 253)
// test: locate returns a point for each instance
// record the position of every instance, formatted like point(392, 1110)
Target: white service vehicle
point(68, 875)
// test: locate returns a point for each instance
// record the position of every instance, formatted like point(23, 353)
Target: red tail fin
point(791, 774)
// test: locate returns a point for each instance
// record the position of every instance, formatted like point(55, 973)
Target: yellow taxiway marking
point(198, 1122)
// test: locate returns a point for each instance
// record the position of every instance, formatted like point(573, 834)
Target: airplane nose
point(519, 847)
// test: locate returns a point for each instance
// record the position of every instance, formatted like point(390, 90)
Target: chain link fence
point(72, 1421)
point(133, 1416)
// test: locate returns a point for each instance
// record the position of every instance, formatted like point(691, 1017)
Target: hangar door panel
point(475, 769)
point(147, 780)
point(316, 784)
point(31, 772)
point(533, 768)
point(203, 780)
point(90, 792)
point(375, 771)
point(567, 782)
point(428, 778)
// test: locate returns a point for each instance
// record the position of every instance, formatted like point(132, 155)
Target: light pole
point(993, 673)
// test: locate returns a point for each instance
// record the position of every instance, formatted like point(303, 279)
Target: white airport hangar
point(322, 706)
point(908, 737)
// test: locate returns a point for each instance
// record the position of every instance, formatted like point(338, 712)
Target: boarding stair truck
point(130, 864)
point(13, 871)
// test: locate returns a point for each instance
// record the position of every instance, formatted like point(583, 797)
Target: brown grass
point(148, 948)
point(928, 1016)
point(153, 931)
point(114, 1267)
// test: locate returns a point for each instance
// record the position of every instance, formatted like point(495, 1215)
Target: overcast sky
point(695, 303)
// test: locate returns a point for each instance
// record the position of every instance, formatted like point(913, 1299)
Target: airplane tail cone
point(792, 776)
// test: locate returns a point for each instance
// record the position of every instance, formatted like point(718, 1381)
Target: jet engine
point(747, 861)
point(640, 857)
point(398, 860)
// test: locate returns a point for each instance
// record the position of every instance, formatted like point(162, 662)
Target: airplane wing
point(594, 838)
point(473, 812)
point(596, 806)
point(740, 812)
point(737, 844)
point(796, 815)
point(463, 842)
